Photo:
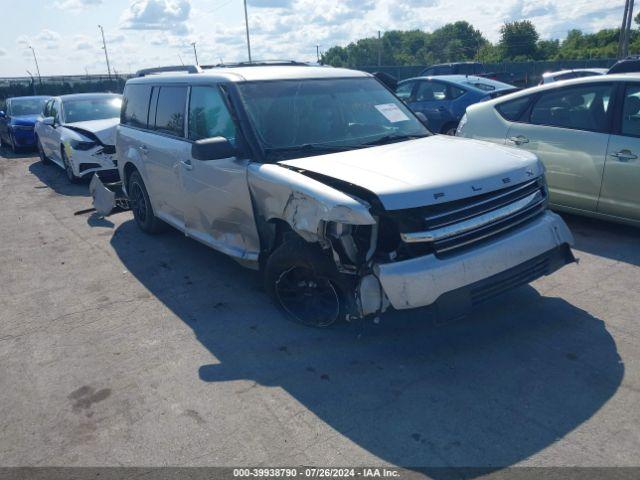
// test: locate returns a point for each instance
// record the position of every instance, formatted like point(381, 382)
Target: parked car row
point(586, 131)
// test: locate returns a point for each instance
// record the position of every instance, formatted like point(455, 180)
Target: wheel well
point(129, 168)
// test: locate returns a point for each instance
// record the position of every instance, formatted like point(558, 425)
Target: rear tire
point(141, 206)
point(302, 280)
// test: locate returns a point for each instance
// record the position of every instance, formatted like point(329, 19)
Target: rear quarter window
point(135, 106)
point(170, 112)
point(513, 109)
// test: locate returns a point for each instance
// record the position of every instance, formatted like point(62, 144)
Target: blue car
point(444, 99)
point(18, 121)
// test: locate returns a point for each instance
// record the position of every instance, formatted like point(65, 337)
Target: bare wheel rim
point(138, 202)
point(309, 298)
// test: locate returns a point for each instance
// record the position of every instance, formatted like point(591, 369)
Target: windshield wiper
point(308, 147)
point(394, 137)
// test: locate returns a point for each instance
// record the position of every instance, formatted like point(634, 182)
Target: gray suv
point(326, 182)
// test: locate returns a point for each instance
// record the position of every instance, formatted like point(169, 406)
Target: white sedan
point(77, 133)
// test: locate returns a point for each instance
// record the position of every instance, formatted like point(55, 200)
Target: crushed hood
point(104, 130)
point(426, 171)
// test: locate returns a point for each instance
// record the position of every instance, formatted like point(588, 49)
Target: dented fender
point(303, 202)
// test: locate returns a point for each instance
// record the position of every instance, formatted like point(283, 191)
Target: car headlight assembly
point(80, 145)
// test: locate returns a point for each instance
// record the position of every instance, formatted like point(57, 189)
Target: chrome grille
point(461, 224)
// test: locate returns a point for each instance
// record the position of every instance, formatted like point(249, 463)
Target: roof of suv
point(253, 73)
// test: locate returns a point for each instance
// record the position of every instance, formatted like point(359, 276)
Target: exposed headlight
point(463, 122)
point(79, 145)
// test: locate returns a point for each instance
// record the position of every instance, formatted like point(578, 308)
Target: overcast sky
point(143, 33)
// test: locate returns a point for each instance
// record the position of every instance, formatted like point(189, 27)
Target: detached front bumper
point(107, 194)
point(460, 281)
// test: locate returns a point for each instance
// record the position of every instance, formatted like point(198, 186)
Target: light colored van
point(325, 181)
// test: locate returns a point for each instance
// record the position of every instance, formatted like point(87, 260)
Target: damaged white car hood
point(426, 171)
point(105, 130)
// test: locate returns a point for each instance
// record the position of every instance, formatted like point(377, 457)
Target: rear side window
point(404, 90)
point(135, 105)
point(172, 102)
point(513, 109)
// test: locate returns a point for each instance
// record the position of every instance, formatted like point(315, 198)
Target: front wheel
point(302, 281)
point(141, 206)
point(67, 167)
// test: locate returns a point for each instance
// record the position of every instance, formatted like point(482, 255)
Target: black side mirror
point(212, 149)
point(423, 119)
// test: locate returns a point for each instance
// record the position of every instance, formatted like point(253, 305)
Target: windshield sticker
point(391, 112)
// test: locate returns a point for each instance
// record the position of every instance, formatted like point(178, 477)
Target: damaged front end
point(452, 256)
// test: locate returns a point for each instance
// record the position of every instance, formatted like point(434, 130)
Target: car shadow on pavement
point(55, 178)
point(6, 153)
point(605, 239)
point(488, 391)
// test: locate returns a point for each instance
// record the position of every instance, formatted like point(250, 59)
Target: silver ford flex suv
point(327, 183)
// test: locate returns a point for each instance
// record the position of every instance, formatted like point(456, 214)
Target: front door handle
point(624, 155)
point(143, 148)
point(186, 164)
point(519, 140)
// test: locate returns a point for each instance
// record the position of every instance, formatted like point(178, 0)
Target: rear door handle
point(519, 140)
point(624, 155)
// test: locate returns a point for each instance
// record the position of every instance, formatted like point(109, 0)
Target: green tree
point(518, 40)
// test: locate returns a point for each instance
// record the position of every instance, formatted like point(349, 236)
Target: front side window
point(631, 112)
point(578, 108)
point(404, 90)
point(311, 114)
point(87, 109)
point(26, 106)
point(209, 116)
point(172, 101)
point(513, 109)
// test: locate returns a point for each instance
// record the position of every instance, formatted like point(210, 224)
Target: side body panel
point(620, 195)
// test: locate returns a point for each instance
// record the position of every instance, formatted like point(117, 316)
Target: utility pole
point(625, 30)
point(627, 35)
point(35, 59)
point(318, 53)
point(195, 52)
point(33, 83)
point(106, 54)
point(246, 23)
point(379, 49)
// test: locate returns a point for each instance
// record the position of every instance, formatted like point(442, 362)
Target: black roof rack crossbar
point(258, 63)
point(175, 68)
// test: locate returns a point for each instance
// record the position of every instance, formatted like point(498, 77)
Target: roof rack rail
point(259, 63)
point(174, 68)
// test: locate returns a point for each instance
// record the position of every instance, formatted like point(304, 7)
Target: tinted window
point(170, 110)
point(513, 109)
point(135, 105)
point(443, 70)
point(404, 91)
point(208, 115)
point(579, 108)
point(432, 91)
point(631, 112)
point(454, 92)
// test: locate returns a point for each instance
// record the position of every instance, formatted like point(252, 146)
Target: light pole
point(106, 54)
point(35, 59)
point(195, 52)
point(246, 23)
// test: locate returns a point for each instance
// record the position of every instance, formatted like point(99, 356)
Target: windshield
point(85, 109)
point(315, 116)
point(27, 106)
